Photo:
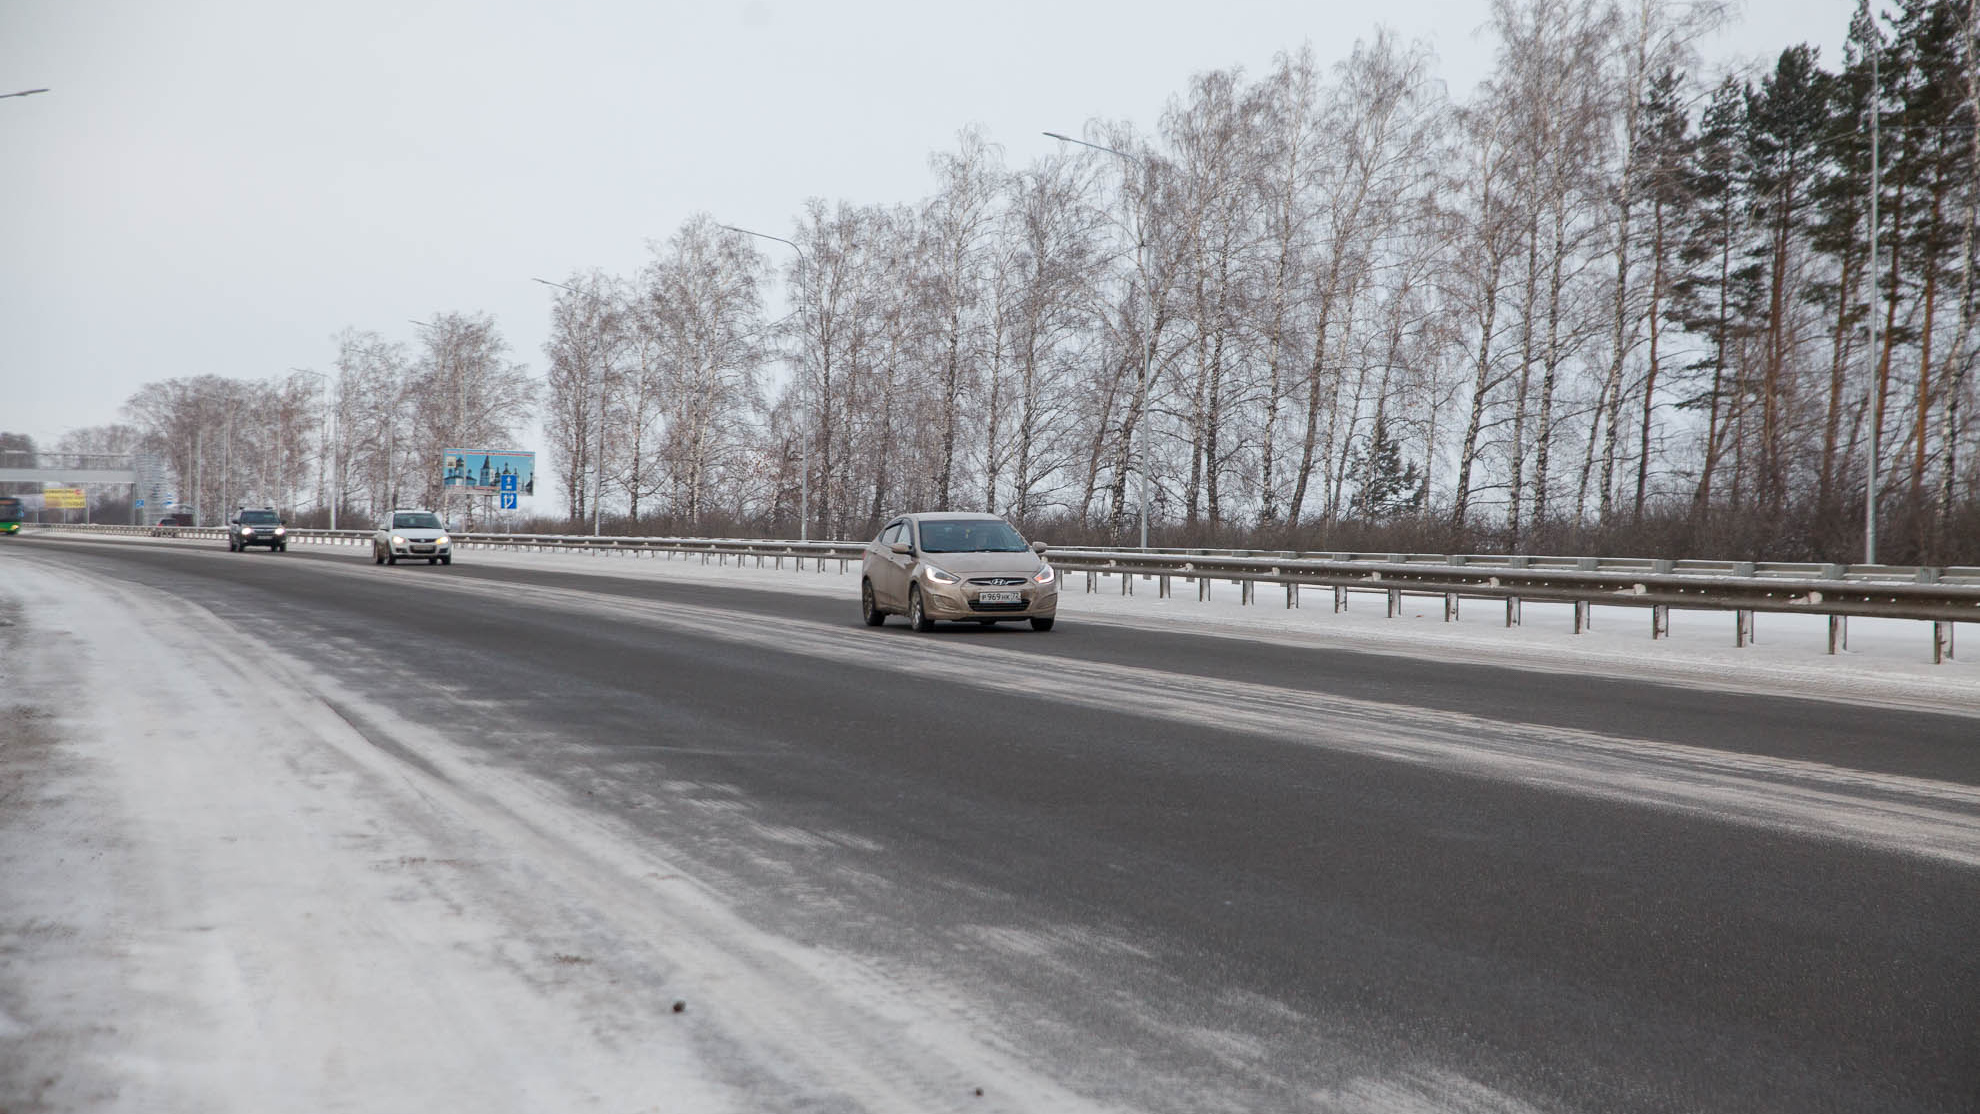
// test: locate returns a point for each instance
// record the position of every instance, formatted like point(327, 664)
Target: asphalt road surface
point(1225, 874)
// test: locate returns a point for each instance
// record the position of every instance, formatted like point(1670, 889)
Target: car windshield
point(419, 520)
point(970, 536)
point(260, 518)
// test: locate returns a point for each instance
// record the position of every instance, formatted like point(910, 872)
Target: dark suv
point(257, 526)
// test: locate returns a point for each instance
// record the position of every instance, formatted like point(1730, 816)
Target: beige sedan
point(971, 568)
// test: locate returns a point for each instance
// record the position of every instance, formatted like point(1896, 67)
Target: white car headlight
point(442, 540)
point(939, 576)
point(397, 540)
point(280, 530)
point(1045, 575)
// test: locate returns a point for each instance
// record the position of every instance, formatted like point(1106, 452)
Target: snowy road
point(294, 832)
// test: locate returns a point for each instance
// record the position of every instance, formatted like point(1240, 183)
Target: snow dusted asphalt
point(361, 938)
point(229, 883)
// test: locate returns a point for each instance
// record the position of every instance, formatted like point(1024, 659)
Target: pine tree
point(1716, 296)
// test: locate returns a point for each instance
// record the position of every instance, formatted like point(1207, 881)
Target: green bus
point(10, 515)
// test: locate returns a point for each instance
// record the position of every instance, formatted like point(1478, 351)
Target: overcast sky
point(220, 186)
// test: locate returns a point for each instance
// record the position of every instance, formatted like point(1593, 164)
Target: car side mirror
point(1038, 548)
point(901, 548)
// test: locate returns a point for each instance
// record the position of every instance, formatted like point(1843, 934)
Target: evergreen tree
point(1716, 296)
point(1786, 117)
point(1390, 486)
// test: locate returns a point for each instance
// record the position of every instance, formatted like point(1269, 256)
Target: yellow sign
point(62, 498)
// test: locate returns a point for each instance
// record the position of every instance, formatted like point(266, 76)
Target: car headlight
point(397, 540)
point(248, 530)
point(280, 530)
point(939, 576)
point(1045, 575)
point(442, 540)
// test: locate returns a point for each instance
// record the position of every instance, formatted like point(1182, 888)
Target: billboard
point(63, 498)
point(480, 471)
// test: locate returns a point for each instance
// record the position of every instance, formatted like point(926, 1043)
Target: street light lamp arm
point(1098, 147)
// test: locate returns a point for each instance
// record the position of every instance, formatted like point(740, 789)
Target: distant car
point(412, 534)
point(963, 567)
point(257, 526)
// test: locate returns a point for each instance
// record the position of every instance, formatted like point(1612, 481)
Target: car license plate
point(999, 597)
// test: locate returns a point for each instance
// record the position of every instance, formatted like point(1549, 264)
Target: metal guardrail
point(1941, 596)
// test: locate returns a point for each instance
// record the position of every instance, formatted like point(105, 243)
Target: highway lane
point(1249, 907)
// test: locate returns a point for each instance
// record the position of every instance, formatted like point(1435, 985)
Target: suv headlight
point(939, 576)
point(442, 540)
point(1045, 575)
point(280, 530)
point(248, 530)
point(397, 540)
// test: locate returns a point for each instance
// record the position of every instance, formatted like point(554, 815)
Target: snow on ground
point(250, 904)
point(1888, 661)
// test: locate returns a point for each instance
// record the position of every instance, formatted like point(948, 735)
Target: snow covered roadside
point(1888, 661)
point(275, 898)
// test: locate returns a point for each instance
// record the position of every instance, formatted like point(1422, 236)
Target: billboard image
point(481, 471)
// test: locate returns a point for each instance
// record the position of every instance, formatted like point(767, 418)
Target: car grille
point(978, 605)
point(1002, 581)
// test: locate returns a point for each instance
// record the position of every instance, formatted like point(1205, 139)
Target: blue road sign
point(508, 481)
point(509, 499)
point(140, 502)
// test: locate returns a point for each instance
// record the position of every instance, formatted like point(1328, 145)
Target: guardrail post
point(1162, 589)
point(1580, 616)
point(1742, 627)
point(1245, 588)
point(1512, 611)
point(1340, 599)
point(1395, 602)
point(1091, 579)
point(1660, 621)
point(1838, 633)
point(1450, 607)
point(1202, 589)
point(1292, 595)
point(1942, 641)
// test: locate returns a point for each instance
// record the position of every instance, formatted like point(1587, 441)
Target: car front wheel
point(377, 554)
point(447, 560)
point(869, 610)
point(917, 615)
point(1042, 622)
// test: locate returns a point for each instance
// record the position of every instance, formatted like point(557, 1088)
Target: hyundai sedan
point(973, 568)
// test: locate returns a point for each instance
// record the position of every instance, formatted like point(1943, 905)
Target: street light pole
point(804, 394)
point(1148, 334)
point(331, 491)
point(598, 468)
point(1876, 400)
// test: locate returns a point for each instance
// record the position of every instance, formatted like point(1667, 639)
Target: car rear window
point(978, 536)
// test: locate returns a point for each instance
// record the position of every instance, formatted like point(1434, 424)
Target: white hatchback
point(413, 535)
